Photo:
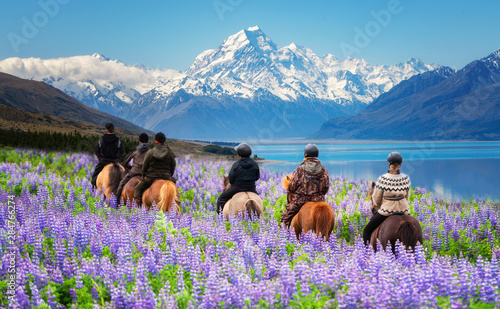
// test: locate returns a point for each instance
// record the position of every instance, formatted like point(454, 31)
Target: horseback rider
point(391, 194)
point(159, 163)
point(309, 183)
point(109, 149)
point(242, 177)
point(137, 158)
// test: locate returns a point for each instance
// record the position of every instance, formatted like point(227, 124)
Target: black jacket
point(109, 148)
point(244, 173)
point(159, 163)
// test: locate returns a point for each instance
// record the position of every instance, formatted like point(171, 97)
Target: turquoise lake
point(452, 170)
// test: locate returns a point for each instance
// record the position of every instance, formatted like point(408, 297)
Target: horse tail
point(252, 207)
point(323, 219)
point(407, 233)
point(115, 176)
point(167, 196)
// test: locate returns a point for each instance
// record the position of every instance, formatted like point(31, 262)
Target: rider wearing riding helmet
point(309, 183)
point(109, 149)
point(159, 163)
point(242, 177)
point(391, 194)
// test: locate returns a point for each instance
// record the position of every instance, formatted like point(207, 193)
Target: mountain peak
point(100, 57)
point(253, 36)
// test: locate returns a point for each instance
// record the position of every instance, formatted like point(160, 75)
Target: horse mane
point(286, 181)
point(115, 176)
point(322, 218)
point(407, 234)
point(225, 182)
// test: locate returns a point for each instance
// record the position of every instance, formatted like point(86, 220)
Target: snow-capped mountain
point(248, 74)
point(101, 83)
point(440, 104)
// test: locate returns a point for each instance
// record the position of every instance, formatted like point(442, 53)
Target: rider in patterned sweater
point(391, 194)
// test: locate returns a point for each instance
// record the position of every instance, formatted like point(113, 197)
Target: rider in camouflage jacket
point(309, 183)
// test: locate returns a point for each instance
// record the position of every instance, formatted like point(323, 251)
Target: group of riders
point(309, 182)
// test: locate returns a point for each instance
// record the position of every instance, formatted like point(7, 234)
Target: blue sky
point(170, 34)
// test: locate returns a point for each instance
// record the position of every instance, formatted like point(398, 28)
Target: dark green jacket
point(159, 163)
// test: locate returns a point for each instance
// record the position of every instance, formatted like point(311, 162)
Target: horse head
point(370, 193)
point(286, 181)
point(225, 182)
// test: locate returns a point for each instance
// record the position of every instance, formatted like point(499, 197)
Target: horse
point(241, 202)
point(127, 193)
point(312, 216)
point(109, 178)
point(162, 192)
point(403, 227)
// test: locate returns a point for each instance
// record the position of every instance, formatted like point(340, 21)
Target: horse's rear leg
point(296, 225)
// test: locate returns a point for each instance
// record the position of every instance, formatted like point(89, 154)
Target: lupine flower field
point(71, 249)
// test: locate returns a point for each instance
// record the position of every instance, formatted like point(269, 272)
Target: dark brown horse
point(241, 202)
point(403, 227)
point(313, 216)
point(109, 178)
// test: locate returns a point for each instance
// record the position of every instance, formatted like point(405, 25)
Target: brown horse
point(162, 192)
point(127, 193)
point(313, 216)
point(109, 179)
point(403, 227)
point(241, 202)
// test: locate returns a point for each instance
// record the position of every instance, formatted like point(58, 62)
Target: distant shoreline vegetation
point(220, 150)
point(56, 141)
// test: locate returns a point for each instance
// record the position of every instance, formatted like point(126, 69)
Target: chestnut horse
point(127, 193)
point(162, 192)
point(109, 179)
point(403, 227)
point(312, 216)
point(241, 202)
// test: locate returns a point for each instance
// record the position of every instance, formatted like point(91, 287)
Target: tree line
point(73, 141)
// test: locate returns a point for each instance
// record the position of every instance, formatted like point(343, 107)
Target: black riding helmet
point(243, 150)
point(311, 150)
point(143, 137)
point(395, 158)
point(160, 137)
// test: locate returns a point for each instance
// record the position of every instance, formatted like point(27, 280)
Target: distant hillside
point(440, 104)
point(39, 97)
point(37, 107)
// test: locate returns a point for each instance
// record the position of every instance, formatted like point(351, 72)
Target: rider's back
point(392, 194)
point(159, 162)
point(310, 179)
point(109, 147)
point(244, 173)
